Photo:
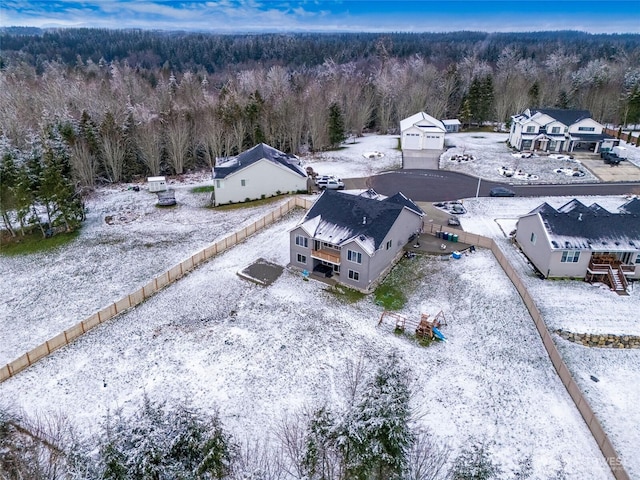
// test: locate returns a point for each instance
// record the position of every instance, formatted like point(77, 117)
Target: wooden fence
point(174, 273)
point(158, 283)
point(601, 438)
point(627, 137)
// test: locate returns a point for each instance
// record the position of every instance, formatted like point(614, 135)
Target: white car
point(322, 180)
point(334, 184)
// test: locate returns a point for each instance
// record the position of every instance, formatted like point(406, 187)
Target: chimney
point(364, 220)
point(579, 217)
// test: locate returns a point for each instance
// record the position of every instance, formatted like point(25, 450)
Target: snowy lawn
point(358, 157)
point(47, 293)
point(214, 339)
point(579, 307)
point(491, 155)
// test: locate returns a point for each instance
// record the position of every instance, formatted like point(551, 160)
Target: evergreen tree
point(376, 439)
point(633, 106)
point(563, 100)
point(8, 183)
point(336, 125)
point(534, 95)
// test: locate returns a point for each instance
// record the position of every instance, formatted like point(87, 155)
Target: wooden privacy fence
point(151, 288)
point(174, 273)
point(627, 137)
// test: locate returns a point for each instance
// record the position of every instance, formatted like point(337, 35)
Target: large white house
point(422, 141)
point(555, 130)
point(261, 171)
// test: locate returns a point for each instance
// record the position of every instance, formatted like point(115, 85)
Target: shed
point(157, 184)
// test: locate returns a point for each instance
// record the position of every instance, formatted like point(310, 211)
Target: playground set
point(427, 327)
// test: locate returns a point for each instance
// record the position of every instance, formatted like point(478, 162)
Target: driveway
point(624, 172)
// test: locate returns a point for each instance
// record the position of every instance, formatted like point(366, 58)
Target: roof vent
point(364, 220)
point(580, 217)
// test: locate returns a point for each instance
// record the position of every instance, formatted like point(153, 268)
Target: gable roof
point(632, 207)
point(338, 218)
point(565, 116)
point(576, 226)
point(422, 121)
point(255, 154)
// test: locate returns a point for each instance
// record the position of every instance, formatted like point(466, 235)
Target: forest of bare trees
point(133, 103)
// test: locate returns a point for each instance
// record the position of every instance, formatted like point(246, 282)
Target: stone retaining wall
point(601, 340)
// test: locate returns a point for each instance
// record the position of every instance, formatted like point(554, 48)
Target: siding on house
point(260, 178)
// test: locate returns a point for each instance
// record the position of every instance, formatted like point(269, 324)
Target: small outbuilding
point(157, 184)
point(452, 125)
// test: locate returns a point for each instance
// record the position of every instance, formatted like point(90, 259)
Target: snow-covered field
point(286, 345)
point(582, 308)
point(491, 154)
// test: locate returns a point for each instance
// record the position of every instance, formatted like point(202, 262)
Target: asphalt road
point(441, 185)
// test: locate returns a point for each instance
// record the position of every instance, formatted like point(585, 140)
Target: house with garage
point(259, 172)
point(579, 241)
point(556, 130)
point(421, 140)
point(354, 237)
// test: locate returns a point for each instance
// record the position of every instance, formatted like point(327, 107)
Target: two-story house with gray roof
point(357, 237)
point(577, 241)
point(261, 171)
point(556, 130)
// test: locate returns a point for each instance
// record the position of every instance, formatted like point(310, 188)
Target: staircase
point(618, 281)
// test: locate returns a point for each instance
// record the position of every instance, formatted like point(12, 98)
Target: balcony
point(331, 256)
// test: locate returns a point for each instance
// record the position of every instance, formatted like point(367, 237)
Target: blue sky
point(595, 16)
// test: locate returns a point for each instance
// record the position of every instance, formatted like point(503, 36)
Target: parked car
point(334, 184)
point(454, 222)
point(501, 192)
point(322, 180)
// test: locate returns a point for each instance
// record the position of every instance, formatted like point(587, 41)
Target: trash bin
point(455, 238)
point(456, 255)
point(438, 234)
point(448, 236)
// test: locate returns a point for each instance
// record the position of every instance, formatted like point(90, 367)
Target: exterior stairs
point(618, 281)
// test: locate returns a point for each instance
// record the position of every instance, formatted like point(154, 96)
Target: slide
point(439, 334)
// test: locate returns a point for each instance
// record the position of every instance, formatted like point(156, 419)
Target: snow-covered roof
point(422, 121)
point(261, 151)
point(567, 117)
point(453, 121)
point(576, 226)
point(339, 218)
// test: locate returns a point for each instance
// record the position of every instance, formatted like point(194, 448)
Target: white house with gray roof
point(577, 241)
point(422, 141)
point(557, 130)
point(355, 237)
point(259, 172)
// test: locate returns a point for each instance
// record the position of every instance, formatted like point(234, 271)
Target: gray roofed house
point(261, 171)
point(355, 237)
point(580, 241)
point(558, 130)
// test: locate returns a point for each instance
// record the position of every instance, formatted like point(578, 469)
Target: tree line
point(132, 103)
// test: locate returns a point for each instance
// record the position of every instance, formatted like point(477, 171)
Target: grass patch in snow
point(202, 189)
point(346, 294)
point(392, 292)
point(34, 243)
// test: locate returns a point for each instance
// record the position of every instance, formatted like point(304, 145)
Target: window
point(243, 183)
point(555, 130)
point(389, 243)
point(302, 259)
point(570, 256)
point(638, 259)
point(217, 183)
point(355, 257)
point(302, 241)
point(531, 129)
point(586, 129)
point(533, 238)
point(354, 275)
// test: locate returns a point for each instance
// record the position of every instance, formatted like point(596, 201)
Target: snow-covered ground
point(581, 308)
point(491, 155)
point(286, 346)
